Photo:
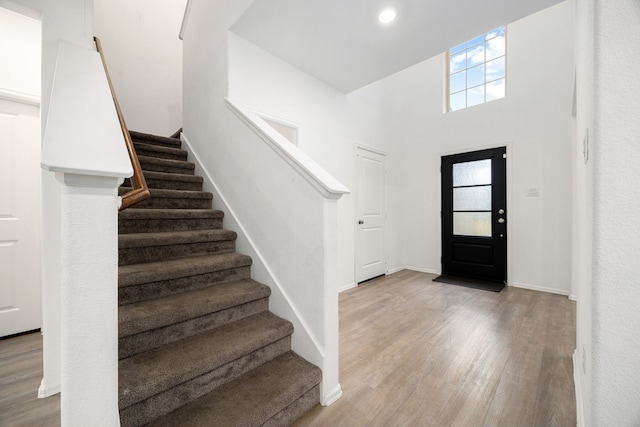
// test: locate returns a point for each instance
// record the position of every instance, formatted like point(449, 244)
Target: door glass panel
point(472, 224)
point(472, 198)
point(472, 173)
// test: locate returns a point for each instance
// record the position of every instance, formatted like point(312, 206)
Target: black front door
point(474, 205)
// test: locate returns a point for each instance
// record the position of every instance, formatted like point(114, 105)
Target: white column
point(89, 300)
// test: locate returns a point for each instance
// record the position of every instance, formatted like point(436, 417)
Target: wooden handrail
point(139, 191)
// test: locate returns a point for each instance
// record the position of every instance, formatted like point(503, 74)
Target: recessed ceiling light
point(387, 15)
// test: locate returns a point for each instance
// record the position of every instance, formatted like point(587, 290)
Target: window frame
point(485, 82)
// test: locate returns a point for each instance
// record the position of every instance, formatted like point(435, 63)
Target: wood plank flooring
point(419, 353)
point(413, 353)
point(20, 376)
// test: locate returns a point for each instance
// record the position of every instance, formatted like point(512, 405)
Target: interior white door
point(20, 218)
point(372, 212)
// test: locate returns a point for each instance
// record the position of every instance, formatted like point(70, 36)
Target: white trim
point(47, 390)
point(185, 20)
point(331, 396)
point(578, 387)
point(372, 150)
point(539, 288)
point(347, 287)
point(421, 270)
point(320, 179)
point(573, 297)
point(19, 97)
point(395, 270)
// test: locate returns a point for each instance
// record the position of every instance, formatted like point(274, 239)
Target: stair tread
point(173, 194)
point(154, 371)
point(166, 176)
point(135, 274)
point(141, 136)
point(138, 240)
point(183, 164)
point(144, 146)
point(146, 315)
point(133, 213)
point(251, 399)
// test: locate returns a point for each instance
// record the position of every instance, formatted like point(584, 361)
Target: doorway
point(371, 214)
point(474, 215)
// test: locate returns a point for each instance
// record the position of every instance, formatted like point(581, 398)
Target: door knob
point(500, 220)
point(361, 222)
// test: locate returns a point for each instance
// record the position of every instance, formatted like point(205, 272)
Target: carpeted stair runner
point(197, 343)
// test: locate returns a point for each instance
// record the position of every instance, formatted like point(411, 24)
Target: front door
point(474, 204)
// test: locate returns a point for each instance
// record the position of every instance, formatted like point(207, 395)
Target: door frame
point(385, 202)
point(512, 217)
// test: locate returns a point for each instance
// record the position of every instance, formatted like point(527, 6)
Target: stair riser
point(144, 151)
point(161, 253)
point(129, 226)
point(153, 167)
point(162, 403)
point(161, 141)
point(147, 291)
point(296, 410)
point(169, 185)
point(174, 203)
point(135, 344)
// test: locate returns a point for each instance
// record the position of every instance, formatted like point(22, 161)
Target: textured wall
point(616, 226)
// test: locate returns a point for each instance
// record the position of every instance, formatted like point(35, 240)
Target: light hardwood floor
point(412, 353)
point(20, 375)
point(419, 353)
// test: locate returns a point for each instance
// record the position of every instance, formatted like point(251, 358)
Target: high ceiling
point(342, 43)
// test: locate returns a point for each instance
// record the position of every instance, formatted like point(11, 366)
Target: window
point(477, 70)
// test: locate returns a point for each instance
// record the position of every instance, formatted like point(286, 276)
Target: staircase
point(197, 343)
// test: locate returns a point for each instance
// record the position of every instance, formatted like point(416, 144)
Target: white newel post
point(89, 306)
point(84, 146)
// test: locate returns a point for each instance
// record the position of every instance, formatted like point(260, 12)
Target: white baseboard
point(540, 288)
point(573, 297)
point(331, 396)
point(347, 287)
point(47, 390)
point(578, 386)
point(420, 269)
point(395, 270)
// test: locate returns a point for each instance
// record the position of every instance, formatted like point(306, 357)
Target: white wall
point(144, 56)
point(533, 121)
point(331, 124)
point(616, 226)
point(21, 72)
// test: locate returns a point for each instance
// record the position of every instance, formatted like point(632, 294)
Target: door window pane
point(477, 172)
point(472, 224)
point(472, 198)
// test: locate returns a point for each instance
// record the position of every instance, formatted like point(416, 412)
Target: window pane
point(495, 48)
point(495, 33)
point(458, 82)
point(457, 62)
point(495, 90)
point(475, 76)
point(475, 41)
point(495, 69)
point(472, 198)
point(475, 96)
point(458, 48)
point(475, 55)
point(458, 101)
point(472, 224)
point(477, 172)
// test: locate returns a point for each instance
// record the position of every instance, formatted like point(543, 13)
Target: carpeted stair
point(197, 343)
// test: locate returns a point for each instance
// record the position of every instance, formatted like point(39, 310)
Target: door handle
point(361, 222)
